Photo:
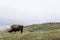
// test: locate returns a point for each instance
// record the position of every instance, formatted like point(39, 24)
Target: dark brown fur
point(16, 27)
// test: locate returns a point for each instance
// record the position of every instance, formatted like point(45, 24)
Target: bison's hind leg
point(21, 30)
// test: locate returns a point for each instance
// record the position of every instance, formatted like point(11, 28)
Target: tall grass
point(46, 35)
point(47, 31)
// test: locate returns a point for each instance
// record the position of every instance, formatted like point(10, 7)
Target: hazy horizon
point(29, 11)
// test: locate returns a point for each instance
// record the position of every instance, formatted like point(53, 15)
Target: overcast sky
point(30, 11)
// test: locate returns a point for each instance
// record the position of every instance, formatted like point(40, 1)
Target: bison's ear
point(12, 26)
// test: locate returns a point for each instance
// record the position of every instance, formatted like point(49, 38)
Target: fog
point(4, 28)
point(28, 12)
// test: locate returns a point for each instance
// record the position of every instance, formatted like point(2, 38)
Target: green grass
point(46, 35)
point(46, 31)
point(42, 27)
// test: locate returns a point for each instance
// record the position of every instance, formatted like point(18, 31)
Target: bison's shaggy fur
point(16, 27)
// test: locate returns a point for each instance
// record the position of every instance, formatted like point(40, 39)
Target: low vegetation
point(42, 27)
point(46, 31)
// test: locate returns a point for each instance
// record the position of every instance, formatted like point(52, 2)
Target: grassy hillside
point(46, 35)
point(46, 31)
point(42, 27)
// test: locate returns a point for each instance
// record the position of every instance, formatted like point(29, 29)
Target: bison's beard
point(15, 30)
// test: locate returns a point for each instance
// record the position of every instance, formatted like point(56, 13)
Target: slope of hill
point(46, 31)
point(42, 27)
point(46, 35)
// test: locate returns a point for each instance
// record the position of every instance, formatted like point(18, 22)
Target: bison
point(16, 27)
